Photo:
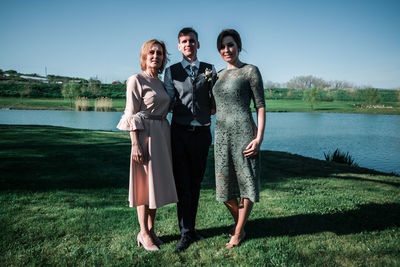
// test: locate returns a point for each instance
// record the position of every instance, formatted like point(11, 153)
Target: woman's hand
point(252, 148)
point(137, 153)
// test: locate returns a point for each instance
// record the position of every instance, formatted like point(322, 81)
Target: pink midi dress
point(147, 104)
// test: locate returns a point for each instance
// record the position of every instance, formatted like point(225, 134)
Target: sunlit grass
point(288, 105)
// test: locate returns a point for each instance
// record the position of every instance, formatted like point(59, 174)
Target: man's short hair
point(186, 31)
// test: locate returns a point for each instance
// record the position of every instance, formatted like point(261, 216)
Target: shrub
point(353, 95)
point(312, 96)
point(371, 96)
point(70, 91)
point(398, 95)
point(14, 89)
point(290, 93)
point(94, 87)
point(82, 104)
point(103, 104)
point(340, 95)
point(113, 90)
point(25, 91)
point(328, 96)
point(340, 157)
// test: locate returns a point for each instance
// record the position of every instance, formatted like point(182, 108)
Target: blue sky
point(355, 40)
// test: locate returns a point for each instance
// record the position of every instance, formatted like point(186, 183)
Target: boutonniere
point(208, 74)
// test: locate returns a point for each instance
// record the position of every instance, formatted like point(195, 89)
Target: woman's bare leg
point(233, 207)
point(150, 223)
point(143, 217)
point(244, 209)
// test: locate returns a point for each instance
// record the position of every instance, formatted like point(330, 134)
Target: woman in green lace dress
point(237, 138)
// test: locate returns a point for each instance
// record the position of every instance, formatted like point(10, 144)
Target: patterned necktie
point(192, 73)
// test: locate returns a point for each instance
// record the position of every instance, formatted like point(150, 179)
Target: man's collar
point(185, 63)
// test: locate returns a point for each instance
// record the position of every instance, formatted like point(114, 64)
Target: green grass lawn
point(287, 105)
point(281, 105)
point(63, 201)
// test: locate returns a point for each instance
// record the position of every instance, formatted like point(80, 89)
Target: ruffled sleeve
point(131, 120)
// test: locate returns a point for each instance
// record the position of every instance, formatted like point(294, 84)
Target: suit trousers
point(189, 158)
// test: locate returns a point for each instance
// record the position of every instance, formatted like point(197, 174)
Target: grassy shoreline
point(282, 105)
point(63, 201)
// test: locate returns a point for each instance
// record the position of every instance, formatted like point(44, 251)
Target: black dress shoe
point(184, 243)
point(197, 236)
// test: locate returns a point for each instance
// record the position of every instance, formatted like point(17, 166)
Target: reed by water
point(103, 104)
point(82, 104)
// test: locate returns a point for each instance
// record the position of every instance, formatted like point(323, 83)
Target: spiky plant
point(340, 157)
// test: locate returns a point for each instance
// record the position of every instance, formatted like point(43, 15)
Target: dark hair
point(145, 50)
point(229, 32)
point(186, 31)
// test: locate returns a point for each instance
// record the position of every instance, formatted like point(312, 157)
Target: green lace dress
point(236, 176)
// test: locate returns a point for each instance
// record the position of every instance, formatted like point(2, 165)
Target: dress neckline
point(147, 75)
point(244, 64)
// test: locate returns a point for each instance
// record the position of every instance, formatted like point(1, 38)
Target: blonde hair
point(145, 50)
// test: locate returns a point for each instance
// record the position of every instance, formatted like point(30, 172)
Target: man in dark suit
point(189, 84)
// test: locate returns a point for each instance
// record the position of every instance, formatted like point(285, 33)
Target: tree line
point(56, 90)
point(308, 88)
point(310, 81)
point(314, 89)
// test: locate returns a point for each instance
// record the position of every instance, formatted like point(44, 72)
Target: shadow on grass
point(40, 158)
point(369, 217)
point(279, 167)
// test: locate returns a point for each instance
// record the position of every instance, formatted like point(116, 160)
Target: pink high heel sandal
point(140, 241)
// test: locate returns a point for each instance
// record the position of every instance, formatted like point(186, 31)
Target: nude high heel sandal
point(140, 242)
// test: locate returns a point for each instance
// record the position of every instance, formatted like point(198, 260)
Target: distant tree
point(351, 94)
point(85, 91)
point(319, 83)
point(271, 84)
point(329, 96)
point(64, 79)
point(57, 79)
point(25, 90)
point(371, 96)
point(70, 91)
point(33, 75)
point(290, 93)
point(312, 96)
point(398, 95)
point(94, 86)
point(306, 82)
point(11, 72)
point(268, 93)
point(363, 87)
point(340, 85)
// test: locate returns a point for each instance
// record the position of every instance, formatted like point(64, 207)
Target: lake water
point(372, 140)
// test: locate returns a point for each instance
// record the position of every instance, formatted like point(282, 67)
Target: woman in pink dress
point(151, 182)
